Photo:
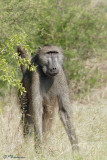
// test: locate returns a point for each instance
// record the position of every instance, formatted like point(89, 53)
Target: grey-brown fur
point(46, 87)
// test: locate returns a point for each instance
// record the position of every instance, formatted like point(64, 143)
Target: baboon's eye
point(52, 52)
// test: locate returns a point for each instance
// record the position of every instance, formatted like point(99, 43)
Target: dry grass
point(91, 126)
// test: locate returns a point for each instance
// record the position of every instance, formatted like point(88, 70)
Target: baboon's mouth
point(52, 74)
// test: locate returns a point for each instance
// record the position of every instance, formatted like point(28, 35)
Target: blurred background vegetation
point(80, 27)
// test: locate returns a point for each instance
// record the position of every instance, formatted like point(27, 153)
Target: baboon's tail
point(23, 54)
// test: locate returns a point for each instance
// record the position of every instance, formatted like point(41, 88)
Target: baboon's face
point(51, 60)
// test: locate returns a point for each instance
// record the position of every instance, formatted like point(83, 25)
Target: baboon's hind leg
point(27, 121)
point(28, 126)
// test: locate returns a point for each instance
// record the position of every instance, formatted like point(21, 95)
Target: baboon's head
point(50, 59)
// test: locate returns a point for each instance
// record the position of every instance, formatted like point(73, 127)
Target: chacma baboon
point(44, 88)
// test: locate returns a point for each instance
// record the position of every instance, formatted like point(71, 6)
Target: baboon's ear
point(39, 49)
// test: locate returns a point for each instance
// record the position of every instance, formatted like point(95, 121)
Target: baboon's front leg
point(38, 119)
point(67, 119)
point(36, 104)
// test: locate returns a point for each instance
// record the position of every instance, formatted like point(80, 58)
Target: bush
point(10, 62)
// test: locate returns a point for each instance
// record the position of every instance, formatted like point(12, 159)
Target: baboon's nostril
point(54, 68)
